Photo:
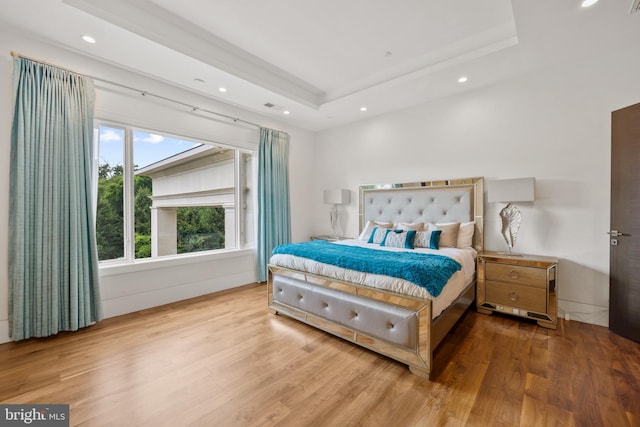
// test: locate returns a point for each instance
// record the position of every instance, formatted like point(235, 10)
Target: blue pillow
point(434, 240)
point(399, 239)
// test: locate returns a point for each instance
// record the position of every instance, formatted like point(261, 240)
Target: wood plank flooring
point(224, 360)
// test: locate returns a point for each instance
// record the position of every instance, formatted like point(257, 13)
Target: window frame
point(239, 179)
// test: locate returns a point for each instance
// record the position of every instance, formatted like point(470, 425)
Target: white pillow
point(368, 228)
point(465, 234)
point(418, 226)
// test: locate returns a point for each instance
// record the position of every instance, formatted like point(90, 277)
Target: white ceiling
point(323, 60)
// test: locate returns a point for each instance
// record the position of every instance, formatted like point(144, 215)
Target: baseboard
point(586, 313)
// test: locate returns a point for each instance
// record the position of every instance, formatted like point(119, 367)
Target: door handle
point(616, 233)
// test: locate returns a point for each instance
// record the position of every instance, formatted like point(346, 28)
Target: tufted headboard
point(455, 200)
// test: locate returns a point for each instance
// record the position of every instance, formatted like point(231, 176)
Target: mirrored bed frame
point(399, 326)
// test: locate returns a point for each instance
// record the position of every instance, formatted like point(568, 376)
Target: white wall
point(5, 134)
point(133, 287)
point(553, 125)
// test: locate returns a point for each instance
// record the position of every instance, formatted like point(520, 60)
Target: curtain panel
point(53, 263)
point(274, 219)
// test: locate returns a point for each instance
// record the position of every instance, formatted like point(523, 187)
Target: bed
point(390, 315)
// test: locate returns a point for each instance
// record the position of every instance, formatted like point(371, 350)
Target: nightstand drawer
point(524, 297)
point(517, 274)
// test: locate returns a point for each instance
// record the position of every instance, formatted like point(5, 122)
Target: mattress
point(456, 284)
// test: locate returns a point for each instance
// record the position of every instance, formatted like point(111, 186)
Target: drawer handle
point(513, 296)
point(515, 274)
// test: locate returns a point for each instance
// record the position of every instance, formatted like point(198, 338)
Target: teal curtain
point(274, 219)
point(53, 263)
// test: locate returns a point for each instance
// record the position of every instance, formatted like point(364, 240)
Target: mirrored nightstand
point(523, 285)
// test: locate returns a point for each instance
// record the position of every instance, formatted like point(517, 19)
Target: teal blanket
point(428, 271)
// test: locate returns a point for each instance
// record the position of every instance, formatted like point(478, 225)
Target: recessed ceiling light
point(587, 3)
point(222, 89)
point(363, 108)
point(89, 39)
point(462, 79)
point(285, 112)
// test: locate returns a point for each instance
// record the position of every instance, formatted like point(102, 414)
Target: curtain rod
point(145, 93)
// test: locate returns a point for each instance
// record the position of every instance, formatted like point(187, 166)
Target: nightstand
point(520, 285)
point(328, 238)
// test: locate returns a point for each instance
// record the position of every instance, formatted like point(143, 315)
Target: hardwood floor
point(224, 360)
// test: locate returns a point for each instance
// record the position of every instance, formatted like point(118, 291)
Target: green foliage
point(142, 191)
point(199, 228)
point(143, 245)
point(109, 215)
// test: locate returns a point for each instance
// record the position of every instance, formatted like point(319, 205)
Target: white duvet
point(458, 282)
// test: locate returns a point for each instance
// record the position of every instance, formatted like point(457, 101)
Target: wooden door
point(624, 276)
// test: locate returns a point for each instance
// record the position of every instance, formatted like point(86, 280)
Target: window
point(162, 195)
point(110, 213)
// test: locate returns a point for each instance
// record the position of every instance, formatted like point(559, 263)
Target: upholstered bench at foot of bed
point(390, 323)
point(397, 326)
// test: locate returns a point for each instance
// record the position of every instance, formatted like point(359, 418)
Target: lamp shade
point(511, 190)
point(336, 197)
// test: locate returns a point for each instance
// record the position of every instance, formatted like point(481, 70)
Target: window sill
point(124, 267)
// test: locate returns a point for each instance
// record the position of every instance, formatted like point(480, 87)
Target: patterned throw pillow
point(399, 239)
point(428, 239)
point(377, 235)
